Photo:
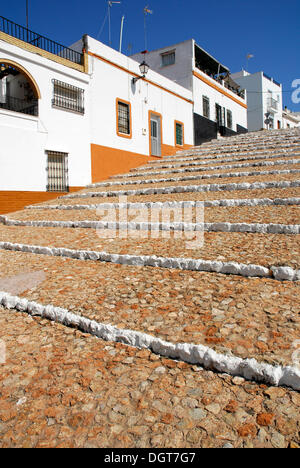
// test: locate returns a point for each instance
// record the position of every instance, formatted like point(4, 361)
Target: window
point(168, 58)
point(123, 119)
point(57, 168)
point(206, 111)
point(68, 97)
point(229, 119)
point(179, 135)
point(220, 115)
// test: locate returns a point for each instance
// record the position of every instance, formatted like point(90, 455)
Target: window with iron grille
point(123, 109)
point(205, 101)
point(68, 97)
point(229, 119)
point(57, 169)
point(179, 133)
point(168, 58)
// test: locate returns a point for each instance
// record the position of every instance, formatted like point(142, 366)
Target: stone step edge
point(173, 204)
point(279, 273)
point(196, 156)
point(221, 175)
point(236, 146)
point(185, 164)
point(249, 369)
point(188, 189)
point(219, 158)
point(271, 228)
point(195, 168)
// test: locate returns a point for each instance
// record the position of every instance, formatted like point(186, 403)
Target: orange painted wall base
point(107, 162)
point(11, 201)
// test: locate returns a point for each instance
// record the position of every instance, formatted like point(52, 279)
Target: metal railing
point(222, 82)
point(272, 103)
point(20, 105)
point(24, 34)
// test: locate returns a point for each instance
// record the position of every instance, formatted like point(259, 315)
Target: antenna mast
point(109, 5)
point(121, 33)
point(146, 11)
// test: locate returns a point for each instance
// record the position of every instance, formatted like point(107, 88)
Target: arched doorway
point(18, 89)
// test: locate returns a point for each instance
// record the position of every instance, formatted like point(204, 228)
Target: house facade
point(220, 105)
point(264, 96)
point(72, 116)
point(290, 119)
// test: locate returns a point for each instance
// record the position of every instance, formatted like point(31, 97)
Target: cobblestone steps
point(229, 305)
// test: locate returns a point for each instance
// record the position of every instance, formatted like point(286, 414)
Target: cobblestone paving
point(60, 387)
point(245, 214)
point(270, 250)
point(225, 180)
point(177, 306)
point(63, 388)
point(168, 173)
point(255, 193)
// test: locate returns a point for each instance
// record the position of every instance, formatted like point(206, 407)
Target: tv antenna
point(121, 33)
point(109, 6)
point(146, 12)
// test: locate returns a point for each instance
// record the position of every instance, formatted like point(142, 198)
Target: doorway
point(155, 134)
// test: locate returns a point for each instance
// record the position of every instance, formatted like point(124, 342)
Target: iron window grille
point(123, 118)
point(66, 96)
point(206, 110)
point(179, 134)
point(229, 119)
point(57, 169)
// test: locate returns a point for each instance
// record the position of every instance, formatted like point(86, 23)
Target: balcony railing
point(272, 103)
point(20, 105)
point(24, 34)
point(222, 82)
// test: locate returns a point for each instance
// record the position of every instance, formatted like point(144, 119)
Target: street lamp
point(144, 68)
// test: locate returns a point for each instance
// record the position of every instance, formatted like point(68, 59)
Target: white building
point(219, 103)
point(264, 97)
point(72, 116)
point(290, 119)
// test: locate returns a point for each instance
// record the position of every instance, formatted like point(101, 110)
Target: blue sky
point(229, 30)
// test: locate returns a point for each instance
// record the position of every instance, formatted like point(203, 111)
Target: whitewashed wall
point(257, 87)
point(109, 83)
point(239, 113)
point(182, 73)
point(24, 139)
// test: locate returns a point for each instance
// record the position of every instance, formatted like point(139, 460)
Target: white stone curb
point(195, 155)
point(201, 355)
point(217, 158)
point(271, 228)
point(175, 204)
point(163, 165)
point(222, 175)
point(188, 188)
point(200, 169)
point(210, 266)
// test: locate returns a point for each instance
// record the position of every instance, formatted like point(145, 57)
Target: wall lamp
point(144, 68)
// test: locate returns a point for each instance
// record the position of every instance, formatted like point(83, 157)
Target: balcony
point(20, 105)
point(24, 34)
point(272, 104)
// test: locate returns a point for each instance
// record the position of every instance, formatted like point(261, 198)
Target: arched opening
point(18, 90)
